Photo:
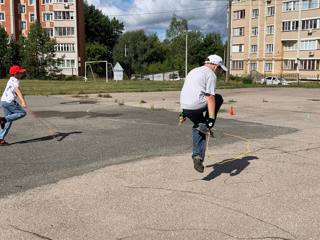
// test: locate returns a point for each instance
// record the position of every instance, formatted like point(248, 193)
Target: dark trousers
point(199, 116)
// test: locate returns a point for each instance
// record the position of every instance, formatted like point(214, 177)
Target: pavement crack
point(181, 191)
point(260, 180)
point(292, 153)
point(250, 216)
point(197, 194)
point(217, 231)
point(279, 191)
point(32, 233)
point(127, 237)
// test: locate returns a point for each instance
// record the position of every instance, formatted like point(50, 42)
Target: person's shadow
point(232, 166)
point(60, 136)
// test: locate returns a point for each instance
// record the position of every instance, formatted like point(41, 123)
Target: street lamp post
point(186, 69)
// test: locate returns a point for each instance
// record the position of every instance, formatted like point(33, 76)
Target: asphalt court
point(63, 137)
point(261, 179)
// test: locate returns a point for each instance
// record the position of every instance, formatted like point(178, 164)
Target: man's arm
point(211, 101)
point(21, 97)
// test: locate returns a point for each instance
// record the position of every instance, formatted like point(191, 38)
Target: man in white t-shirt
point(200, 103)
point(11, 108)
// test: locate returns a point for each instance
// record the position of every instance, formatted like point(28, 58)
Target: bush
point(244, 79)
point(247, 80)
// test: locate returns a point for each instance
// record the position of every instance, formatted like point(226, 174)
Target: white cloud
point(202, 15)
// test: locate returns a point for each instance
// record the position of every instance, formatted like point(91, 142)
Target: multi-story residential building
point(61, 19)
point(275, 37)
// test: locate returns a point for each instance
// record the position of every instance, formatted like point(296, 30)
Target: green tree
point(176, 27)
point(4, 42)
point(136, 51)
point(97, 52)
point(212, 44)
point(39, 53)
point(16, 51)
point(101, 30)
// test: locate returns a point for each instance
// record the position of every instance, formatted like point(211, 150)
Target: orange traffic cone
point(232, 112)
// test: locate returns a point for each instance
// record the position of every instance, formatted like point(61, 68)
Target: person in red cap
point(11, 108)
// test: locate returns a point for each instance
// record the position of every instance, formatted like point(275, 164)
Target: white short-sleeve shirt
point(9, 95)
point(200, 82)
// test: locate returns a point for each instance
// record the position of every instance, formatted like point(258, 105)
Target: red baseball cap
point(16, 69)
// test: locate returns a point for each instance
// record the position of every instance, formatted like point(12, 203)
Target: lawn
point(50, 87)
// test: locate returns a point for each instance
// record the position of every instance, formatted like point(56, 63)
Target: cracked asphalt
point(62, 177)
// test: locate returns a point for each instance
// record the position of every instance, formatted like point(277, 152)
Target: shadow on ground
point(232, 166)
point(60, 136)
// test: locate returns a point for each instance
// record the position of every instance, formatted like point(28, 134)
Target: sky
point(154, 15)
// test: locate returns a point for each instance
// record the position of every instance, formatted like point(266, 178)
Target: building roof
point(118, 68)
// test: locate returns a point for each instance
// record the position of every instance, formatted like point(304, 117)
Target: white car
point(274, 81)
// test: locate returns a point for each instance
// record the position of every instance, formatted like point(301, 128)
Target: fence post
point(298, 79)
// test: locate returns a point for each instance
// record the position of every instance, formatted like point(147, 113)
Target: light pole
point(186, 54)
point(186, 67)
point(229, 42)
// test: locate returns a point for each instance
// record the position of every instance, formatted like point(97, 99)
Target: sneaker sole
point(198, 165)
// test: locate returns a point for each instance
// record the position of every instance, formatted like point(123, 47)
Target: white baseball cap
point(217, 60)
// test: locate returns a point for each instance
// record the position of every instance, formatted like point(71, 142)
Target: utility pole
point(229, 41)
point(186, 54)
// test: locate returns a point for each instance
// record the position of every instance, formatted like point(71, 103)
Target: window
point(239, 14)
point(270, 11)
point(23, 25)
point(238, 31)
point(290, 45)
point(309, 64)
point(253, 66)
point(64, 31)
point(289, 64)
point(65, 47)
point(1, 1)
point(63, 15)
point(31, 17)
point(237, 65)
point(269, 48)
point(254, 48)
point(290, 6)
point(22, 8)
point(49, 31)
point(2, 16)
point(237, 48)
point(254, 31)
point(307, 4)
point(67, 63)
point(255, 13)
point(64, 1)
point(268, 67)
point(309, 45)
point(46, 1)
point(309, 24)
point(270, 30)
point(289, 26)
point(47, 16)
point(31, 2)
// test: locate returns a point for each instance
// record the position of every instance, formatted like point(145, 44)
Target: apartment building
point(276, 37)
point(61, 19)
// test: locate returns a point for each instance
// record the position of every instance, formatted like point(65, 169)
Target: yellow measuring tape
point(240, 155)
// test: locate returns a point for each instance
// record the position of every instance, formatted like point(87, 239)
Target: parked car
point(274, 81)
